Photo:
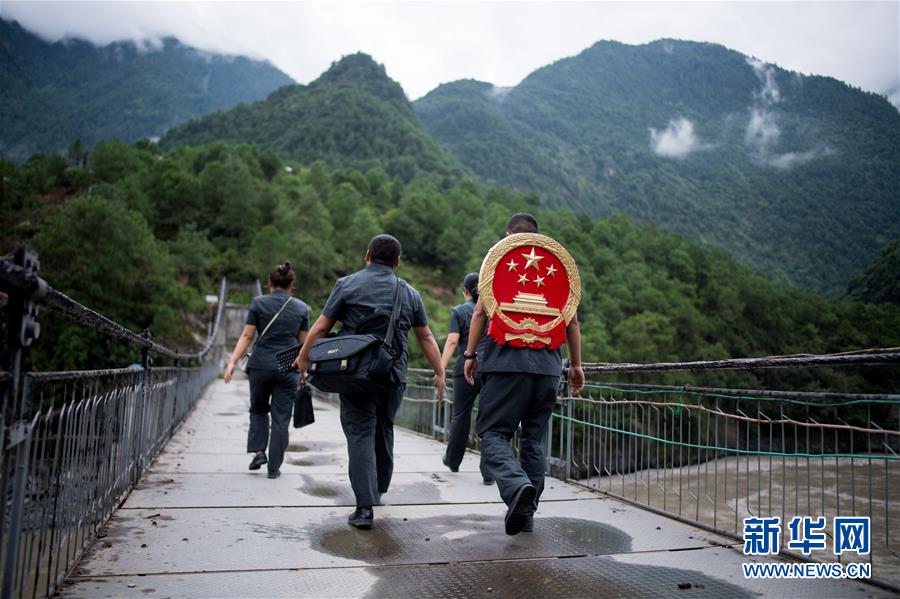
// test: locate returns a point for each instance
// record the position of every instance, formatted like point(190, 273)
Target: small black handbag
point(356, 363)
point(303, 408)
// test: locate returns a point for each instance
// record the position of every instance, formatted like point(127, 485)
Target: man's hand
point(576, 379)
point(301, 364)
point(229, 372)
point(319, 329)
point(440, 384)
point(470, 370)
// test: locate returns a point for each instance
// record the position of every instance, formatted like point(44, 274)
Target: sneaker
point(487, 480)
point(362, 517)
point(274, 473)
point(520, 508)
point(529, 525)
point(452, 469)
point(258, 460)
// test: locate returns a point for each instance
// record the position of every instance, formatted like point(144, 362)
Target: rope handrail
point(62, 304)
point(14, 277)
point(890, 356)
point(752, 394)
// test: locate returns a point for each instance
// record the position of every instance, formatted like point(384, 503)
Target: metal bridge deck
point(201, 525)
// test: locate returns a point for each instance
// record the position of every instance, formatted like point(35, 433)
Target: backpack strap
point(395, 313)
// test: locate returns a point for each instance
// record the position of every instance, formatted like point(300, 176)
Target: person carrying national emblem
point(529, 293)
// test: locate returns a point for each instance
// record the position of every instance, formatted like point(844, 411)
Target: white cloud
point(789, 160)
point(498, 93)
point(769, 93)
point(677, 140)
point(762, 130)
point(893, 96)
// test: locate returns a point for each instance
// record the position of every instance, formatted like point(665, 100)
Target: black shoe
point(362, 517)
point(258, 460)
point(520, 508)
point(529, 525)
point(452, 469)
point(274, 473)
point(487, 480)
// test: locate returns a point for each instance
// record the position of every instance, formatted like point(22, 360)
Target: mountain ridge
point(54, 93)
point(353, 114)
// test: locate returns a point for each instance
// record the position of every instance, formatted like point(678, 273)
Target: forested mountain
point(142, 234)
point(797, 176)
point(352, 115)
point(54, 94)
point(880, 283)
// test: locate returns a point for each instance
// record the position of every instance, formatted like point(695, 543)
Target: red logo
point(530, 290)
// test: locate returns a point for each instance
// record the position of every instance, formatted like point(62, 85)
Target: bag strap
point(395, 313)
point(274, 318)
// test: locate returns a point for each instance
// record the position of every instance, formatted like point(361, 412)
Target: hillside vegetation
point(145, 233)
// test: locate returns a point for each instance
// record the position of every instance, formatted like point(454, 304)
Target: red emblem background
point(516, 305)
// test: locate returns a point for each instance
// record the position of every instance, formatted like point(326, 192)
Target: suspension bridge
point(133, 482)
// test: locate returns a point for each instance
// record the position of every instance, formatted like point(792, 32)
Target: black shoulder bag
point(356, 363)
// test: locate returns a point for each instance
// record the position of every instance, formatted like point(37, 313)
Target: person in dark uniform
point(368, 418)
point(271, 392)
point(464, 394)
point(518, 388)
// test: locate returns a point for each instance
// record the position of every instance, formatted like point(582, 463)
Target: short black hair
point(384, 249)
point(522, 223)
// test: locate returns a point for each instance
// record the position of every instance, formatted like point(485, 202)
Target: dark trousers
point(368, 423)
point(508, 400)
point(464, 396)
point(271, 392)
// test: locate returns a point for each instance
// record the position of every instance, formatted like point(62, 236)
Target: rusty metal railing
point(74, 443)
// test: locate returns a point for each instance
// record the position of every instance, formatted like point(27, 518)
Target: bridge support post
point(19, 280)
point(142, 411)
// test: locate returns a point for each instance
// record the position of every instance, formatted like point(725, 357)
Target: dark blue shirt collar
point(382, 267)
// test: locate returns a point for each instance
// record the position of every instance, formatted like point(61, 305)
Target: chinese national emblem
point(530, 289)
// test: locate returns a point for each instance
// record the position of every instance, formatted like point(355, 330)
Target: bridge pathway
point(200, 524)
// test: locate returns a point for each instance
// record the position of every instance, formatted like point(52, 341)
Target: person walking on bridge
point(368, 418)
point(464, 394)
point(283, 320)
point(520, 377)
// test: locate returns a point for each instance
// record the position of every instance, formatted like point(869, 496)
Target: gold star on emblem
point(532, 259)
point(551, 270)
point(539, 281)
point(512, 264)
point(523, 279)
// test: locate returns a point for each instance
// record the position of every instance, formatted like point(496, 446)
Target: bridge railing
point(74, 443)
point(711, 457)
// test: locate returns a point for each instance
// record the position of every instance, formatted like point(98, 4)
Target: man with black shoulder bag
point(366, 364)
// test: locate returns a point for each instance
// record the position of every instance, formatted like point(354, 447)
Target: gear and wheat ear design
point(530, 289)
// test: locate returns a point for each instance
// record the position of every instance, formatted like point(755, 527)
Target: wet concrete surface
point(200, 524)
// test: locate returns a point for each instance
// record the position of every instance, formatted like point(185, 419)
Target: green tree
point(104, 255)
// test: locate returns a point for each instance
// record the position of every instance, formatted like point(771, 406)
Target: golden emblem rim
point(500, 249)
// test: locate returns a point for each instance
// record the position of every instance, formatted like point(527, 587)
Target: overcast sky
point(423, 44)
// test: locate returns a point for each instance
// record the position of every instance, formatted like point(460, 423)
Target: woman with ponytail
point(463, 393)
point(282, 320)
